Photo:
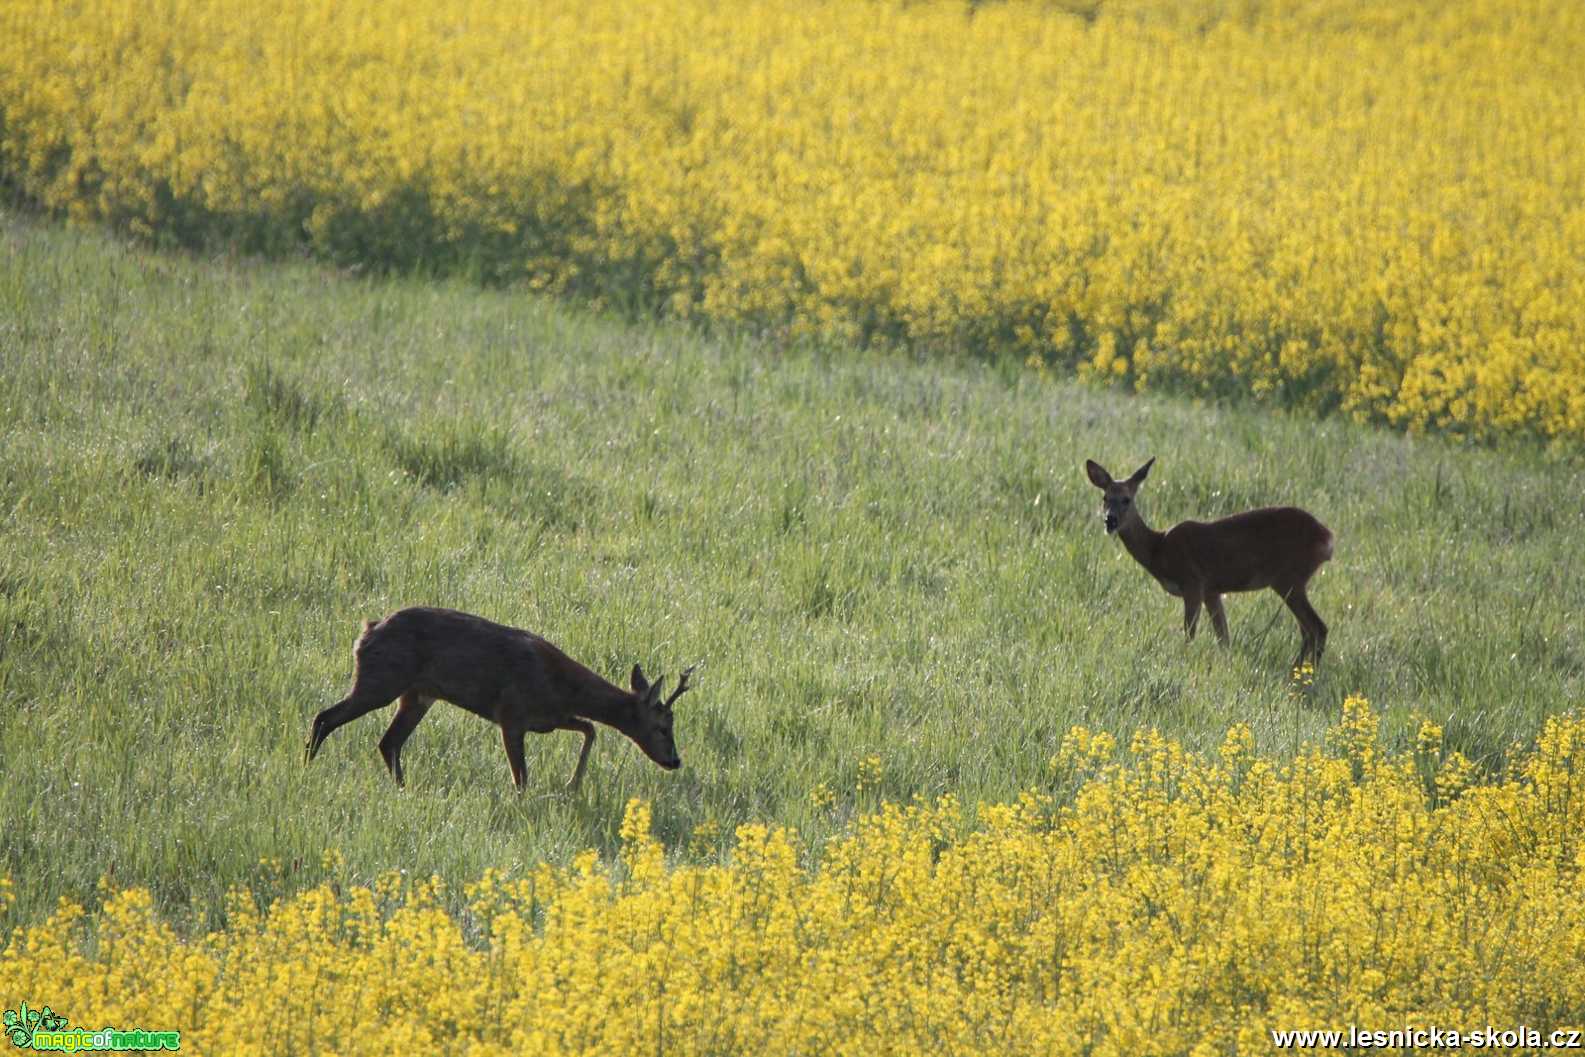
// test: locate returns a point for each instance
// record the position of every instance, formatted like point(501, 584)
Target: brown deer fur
point(1199, 561)
point(511, 677)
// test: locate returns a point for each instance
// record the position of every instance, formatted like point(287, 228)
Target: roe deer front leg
point(409, 711)
point(1191, 611)
point(1213, 603)
point(584, 727)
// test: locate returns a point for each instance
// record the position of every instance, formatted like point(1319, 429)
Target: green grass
point(212, 471)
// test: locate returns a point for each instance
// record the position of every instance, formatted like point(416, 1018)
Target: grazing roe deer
point(511, 677)
point(1199, 561)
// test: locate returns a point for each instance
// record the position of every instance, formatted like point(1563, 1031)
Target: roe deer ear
point(1098, 476)
point(1143, 472)
point(651, 696)
point(637, 680)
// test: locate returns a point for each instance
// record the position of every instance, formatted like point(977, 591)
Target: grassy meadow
point(1364, 207)
point(772, 338)
point(891, 572)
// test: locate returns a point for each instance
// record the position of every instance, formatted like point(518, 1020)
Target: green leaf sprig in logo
point(21, 1025)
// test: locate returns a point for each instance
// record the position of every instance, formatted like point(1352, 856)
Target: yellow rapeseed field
point(1368, 206)
point(1178, 904)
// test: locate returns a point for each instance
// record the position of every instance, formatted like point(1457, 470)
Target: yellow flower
point(1090, 194)
point(1178, 904)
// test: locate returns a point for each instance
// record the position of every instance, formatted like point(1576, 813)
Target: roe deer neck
point(1141, 540)
point(604, 703)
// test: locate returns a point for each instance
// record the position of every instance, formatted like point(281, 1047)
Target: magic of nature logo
point(45, 1029)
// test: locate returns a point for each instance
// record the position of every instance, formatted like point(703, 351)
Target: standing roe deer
point(513, 678)
point(1199, 561)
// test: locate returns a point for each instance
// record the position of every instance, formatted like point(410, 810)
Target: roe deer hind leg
point(381, 673)
point(409, 711)
point(1318, 629)
point(512, 736)
point(1300, 607)
point(343, 712)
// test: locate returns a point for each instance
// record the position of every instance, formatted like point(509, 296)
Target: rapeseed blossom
point(1177, 903)
point(1373, 207)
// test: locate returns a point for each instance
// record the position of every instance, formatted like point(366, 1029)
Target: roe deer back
point(511, 677)
point(1199, 561)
